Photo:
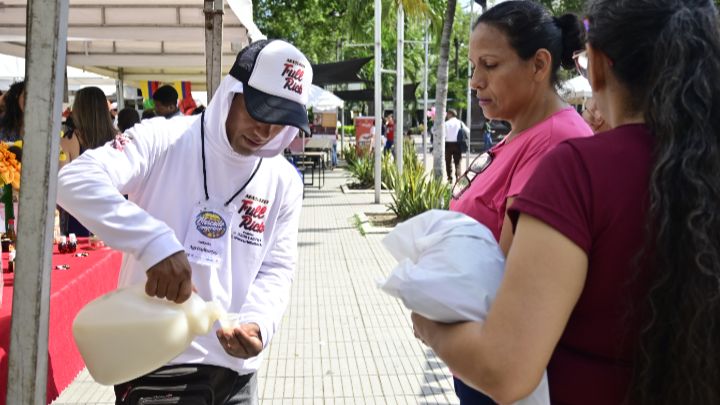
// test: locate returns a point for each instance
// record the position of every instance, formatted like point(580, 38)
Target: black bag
point(462, 139)
point(178, 385)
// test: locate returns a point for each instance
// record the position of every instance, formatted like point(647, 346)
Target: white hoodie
point(158, 165)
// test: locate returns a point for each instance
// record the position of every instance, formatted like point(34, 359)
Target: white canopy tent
point(323, 100)
point(576, 90)
point(12, 69)
point(138, 40)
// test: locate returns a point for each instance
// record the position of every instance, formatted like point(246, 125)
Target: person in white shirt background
point(452, 148)
point(213, 207)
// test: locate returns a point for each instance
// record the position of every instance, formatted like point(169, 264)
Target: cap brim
point(270, 109)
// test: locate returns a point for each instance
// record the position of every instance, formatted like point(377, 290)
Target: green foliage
point(349, 130)
point(416, 192)
point(363, 170)
point(388, 172)
point(411, 161)
point(559, 7)
point(305, 23)
point(349, 154)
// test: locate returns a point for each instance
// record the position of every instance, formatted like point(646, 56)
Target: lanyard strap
point(204, 169)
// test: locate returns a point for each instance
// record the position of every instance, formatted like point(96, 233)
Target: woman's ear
point(542, 64)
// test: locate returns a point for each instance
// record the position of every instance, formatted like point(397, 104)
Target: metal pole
point(425, 95)
point(378, 98)
point(468, 117)
point(342, 129)
point(45, 50)
point(213, 44)
point(120, 82)
point(399, 76)
point(66, 91)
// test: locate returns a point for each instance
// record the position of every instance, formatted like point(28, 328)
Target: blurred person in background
point(127, 118)
point(453, 155)
point(93, 123)
point(12, 125)
point(2, 105)
point(166, 102)
point(389, 131)
point(89, 126)
point(147, 114)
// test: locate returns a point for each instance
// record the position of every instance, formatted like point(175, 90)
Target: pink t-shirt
point(512, 164)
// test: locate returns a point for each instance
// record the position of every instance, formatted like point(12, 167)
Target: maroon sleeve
point(559, 194)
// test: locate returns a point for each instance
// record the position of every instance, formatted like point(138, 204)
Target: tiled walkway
point(342, 340)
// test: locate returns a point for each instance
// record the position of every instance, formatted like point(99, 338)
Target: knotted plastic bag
point(449, 270)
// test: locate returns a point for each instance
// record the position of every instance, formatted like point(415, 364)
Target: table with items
point(77, 278)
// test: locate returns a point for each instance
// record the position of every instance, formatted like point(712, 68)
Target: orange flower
point(9, 167)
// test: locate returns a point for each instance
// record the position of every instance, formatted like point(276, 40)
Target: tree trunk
point(441, 91)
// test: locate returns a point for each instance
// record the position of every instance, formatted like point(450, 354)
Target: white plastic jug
point(125, 334)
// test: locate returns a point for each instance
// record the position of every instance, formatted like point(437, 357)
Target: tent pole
point(45, 53)
point(120, 92)
point(342, 129)
point(213, 44)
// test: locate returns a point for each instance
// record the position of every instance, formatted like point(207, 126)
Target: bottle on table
point(11, 260)
point(72, 243)
point(10, 231)
point(63, 245)
point(56, 227)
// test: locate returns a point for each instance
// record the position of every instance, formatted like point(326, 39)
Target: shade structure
point(12, 69)
point(346, 71)
point(145, 39)
point(368, 94)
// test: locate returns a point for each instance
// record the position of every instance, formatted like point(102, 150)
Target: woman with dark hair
point(12, 126)
point(613, 278)
point(92, 127)
point(517, 49)
point(93, 121)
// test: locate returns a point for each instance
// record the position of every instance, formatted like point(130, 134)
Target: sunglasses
point(581, 62)
point(478, 165)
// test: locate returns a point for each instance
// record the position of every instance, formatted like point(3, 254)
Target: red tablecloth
point(87, 278)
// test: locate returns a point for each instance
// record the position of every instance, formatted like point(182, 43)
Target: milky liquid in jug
point(126, 333)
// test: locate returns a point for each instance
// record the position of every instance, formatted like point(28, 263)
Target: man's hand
point(244, 341)
point(170, 278)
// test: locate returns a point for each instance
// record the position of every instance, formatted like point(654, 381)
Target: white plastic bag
point(449, 270)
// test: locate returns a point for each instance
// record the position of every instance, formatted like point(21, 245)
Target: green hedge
point(413, 193)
